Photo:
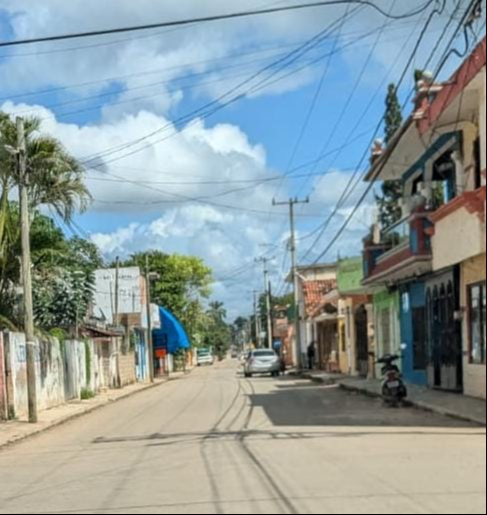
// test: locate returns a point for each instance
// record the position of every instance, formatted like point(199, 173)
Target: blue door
point(414, 332)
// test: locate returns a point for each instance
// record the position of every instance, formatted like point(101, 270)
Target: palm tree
point(55, 180)
point(217, 311)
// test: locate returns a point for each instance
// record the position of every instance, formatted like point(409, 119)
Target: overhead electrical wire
point(142, 73)
point(377, 173)
point(207, 19)
point(436, 11)
point(354, 91)
point(216, 105)
point(350, 186)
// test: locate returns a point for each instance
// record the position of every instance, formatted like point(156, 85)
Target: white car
point(262, 361)
point(205, 357)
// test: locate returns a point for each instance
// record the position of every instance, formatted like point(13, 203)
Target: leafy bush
point(87, 394)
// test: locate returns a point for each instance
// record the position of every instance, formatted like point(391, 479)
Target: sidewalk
point(13, 432)
point(443, 403)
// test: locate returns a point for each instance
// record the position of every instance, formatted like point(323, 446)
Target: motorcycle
point(394, 390)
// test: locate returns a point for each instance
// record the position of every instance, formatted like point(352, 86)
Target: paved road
point(216, 443)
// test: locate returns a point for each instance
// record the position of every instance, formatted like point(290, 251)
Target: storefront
point(445, 353)
point(473, 301)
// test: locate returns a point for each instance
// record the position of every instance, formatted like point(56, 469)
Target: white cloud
point(131, 55)
point(227, 239)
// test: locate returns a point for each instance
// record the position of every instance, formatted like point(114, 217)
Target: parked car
point(262, 361)
point(205, 357)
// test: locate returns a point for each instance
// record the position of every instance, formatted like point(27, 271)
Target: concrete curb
point(419, 405)
point(86, 411)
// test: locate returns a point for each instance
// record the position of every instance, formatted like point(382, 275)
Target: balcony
point(403, 253)
point(462, 221)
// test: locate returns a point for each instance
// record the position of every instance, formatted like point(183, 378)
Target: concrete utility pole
point(150, 339)
point(117, 289)
point(264, 262)
point(26, 271)
point(256, 316)
point(291, 203)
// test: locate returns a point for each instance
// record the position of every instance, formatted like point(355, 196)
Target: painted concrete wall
point(63, 371)
point(3, 383)
point(127, 368)
point(386, 305)
point(458, 237)
point(50, 375)
point(473, 271)
point(16, 369)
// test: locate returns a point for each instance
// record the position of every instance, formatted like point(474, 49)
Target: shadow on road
point(294, 403)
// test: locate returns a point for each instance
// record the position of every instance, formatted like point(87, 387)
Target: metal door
point(362, 339)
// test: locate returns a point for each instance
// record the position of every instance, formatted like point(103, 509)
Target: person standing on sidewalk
point(311, 355)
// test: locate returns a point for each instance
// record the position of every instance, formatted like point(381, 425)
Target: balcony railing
point(400, 245)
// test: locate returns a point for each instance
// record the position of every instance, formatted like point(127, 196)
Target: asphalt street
point(215, 442)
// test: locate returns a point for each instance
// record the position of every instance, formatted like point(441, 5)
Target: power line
point(206, 19)
point(403, 76)
point(187, 118)
point(283, 62)
point(143, 73)
point(354, 90)
point(350, 186)
point(377, 173)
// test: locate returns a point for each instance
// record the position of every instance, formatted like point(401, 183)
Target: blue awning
point(172, 336)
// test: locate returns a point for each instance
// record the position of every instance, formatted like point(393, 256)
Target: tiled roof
point(315, 293)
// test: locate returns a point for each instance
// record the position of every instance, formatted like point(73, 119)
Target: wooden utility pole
point(291, 203)
point(150, 339)
point(26, 271)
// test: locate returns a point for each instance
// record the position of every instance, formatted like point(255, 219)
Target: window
point(477, 301)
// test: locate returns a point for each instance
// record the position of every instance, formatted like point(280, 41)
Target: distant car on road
point(204, 357)
point(262, 361)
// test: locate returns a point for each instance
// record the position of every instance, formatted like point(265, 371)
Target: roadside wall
point(16, 372)
point(3, 383)
point(64, 370)
point(127, 368)
point(50, 375)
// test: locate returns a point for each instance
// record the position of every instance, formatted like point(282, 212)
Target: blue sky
point(251, 140)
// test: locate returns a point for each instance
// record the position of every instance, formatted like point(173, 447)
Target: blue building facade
point(414, 335)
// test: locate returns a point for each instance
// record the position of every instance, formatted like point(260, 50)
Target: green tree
point(388, 202)
point(55, 177)
point(55, 180)
point(183, 285)
point(219, 333)
point(62, 275)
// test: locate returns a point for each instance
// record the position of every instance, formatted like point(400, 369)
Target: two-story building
point(431, 264)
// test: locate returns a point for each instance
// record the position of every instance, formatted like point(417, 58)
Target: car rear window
point(264, 354)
